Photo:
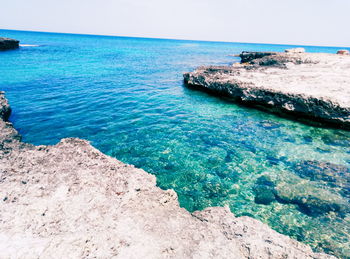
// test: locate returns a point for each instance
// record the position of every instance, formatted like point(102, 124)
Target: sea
point(126, 95)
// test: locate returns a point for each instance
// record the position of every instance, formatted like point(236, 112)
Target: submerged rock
point(264, 190)
point(305, 85)
point(7, 43)
point(79, 203)
point(316, 170)
point(311, 199)
point(337, 139)
point(270, 124)
point(335, 175)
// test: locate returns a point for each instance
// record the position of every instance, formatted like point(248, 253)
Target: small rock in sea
point(269, 124)
point(272, 160)
point(264, 194)
point(7, 43)
point(307, 139)
point(264, 190)
point(295, 50)
point(343, 52)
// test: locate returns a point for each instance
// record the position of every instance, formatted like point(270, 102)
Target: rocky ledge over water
point(314, 86)
point(7, 43)
point(71, 201)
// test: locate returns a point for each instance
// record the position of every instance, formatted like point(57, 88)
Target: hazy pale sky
point(311, 22)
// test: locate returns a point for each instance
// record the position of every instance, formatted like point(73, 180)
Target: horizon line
point(156, 38)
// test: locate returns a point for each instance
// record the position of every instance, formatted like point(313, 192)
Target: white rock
point(295, 50)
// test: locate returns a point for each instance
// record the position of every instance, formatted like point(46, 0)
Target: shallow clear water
point(126, 96)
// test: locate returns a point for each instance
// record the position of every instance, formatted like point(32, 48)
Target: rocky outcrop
point(295, 50)
point(343, 52)
point(308, 85)
point(247, 56)
point(5, 109)
point(71, 201)
point(7, 43)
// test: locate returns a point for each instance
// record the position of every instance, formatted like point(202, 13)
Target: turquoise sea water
point(126, 96)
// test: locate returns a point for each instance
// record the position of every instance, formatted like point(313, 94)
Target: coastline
point(310, 86)
point(71, 200)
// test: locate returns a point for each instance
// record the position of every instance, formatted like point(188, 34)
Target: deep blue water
point(126, 96)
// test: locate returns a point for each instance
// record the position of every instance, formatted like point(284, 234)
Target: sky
point(301, 22)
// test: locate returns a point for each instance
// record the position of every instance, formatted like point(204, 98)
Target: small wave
point(28, 45)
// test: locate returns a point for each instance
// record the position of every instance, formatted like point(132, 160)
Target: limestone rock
point(71, 201)
point(5, 109)
point(311, 86)
point(247, 56)
point(7, 43)
point(295, 50)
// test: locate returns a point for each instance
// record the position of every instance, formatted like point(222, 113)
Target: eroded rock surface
point(71, 201)
point(7, 43)
point(311, 85)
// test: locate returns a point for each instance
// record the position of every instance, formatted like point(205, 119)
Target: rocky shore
point(314, 86)
point(7, 43)
point(71, 201)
